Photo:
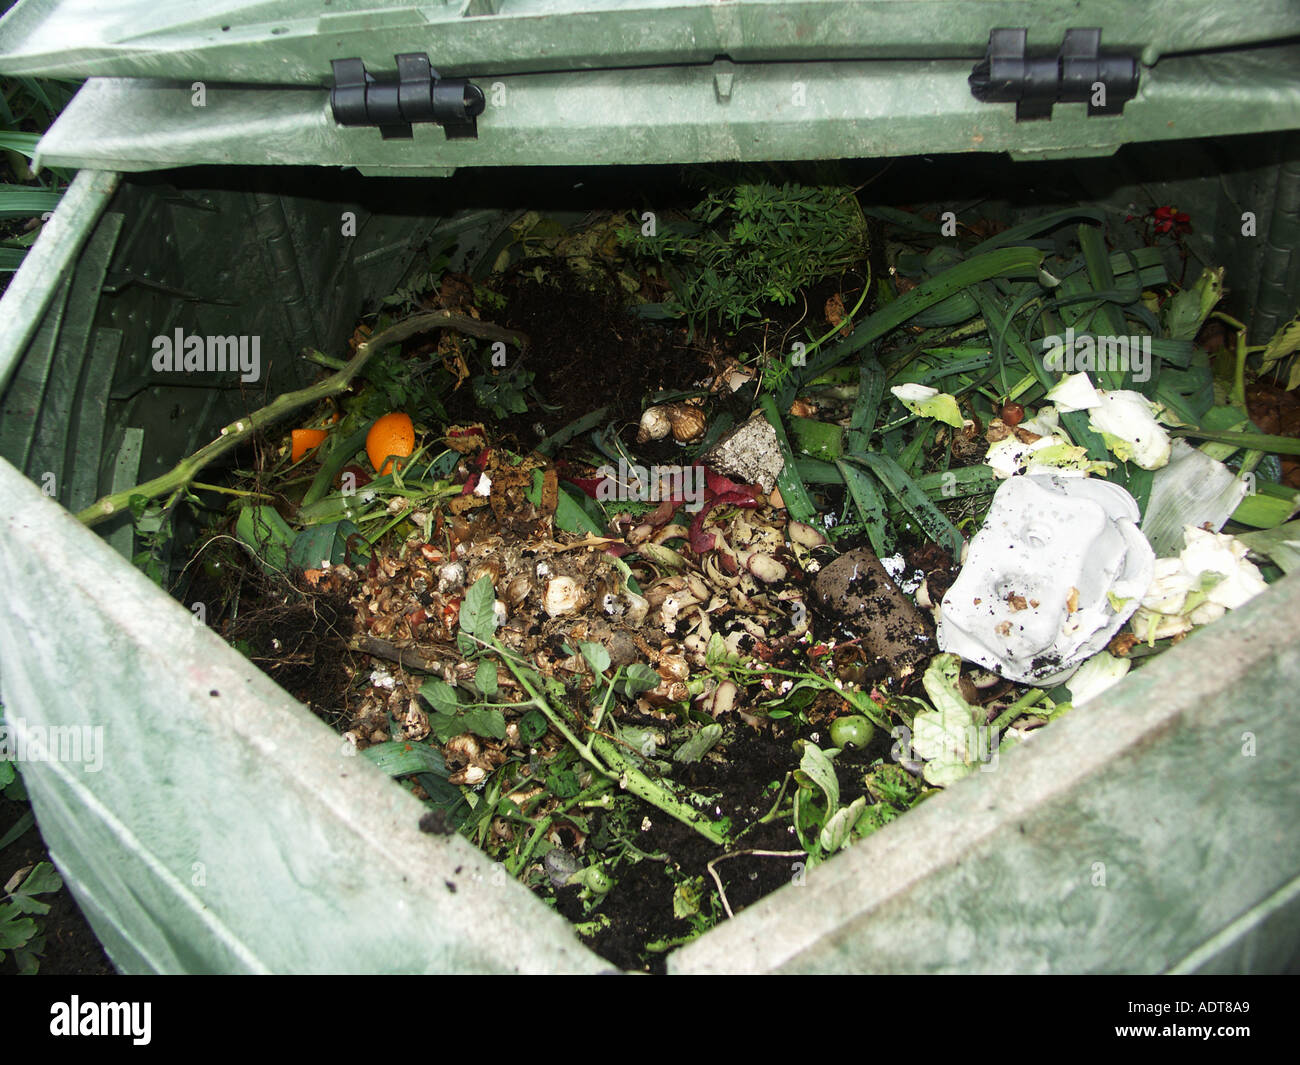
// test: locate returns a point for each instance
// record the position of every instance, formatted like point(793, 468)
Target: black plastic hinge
point(1079, 72)
point(418, 95)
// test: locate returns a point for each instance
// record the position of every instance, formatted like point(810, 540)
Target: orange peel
point(304, 440)
point(391, 435)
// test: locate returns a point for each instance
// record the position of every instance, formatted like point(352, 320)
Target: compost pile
point(624, 550)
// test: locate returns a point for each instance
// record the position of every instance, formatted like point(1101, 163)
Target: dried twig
point(722, 894)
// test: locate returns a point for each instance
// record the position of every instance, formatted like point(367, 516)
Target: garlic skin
point(685, 421)
point(654, 425)
point(805, 535)
point(688, 422)
point(765, 568)
point(637, 607)
point(563, 595)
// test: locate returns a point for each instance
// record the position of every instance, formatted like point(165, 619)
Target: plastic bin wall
point(227, 830)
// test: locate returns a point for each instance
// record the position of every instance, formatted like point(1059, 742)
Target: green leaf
point(596, 655)
point(1277, 445)
point(716, 655)
point(819, 440)
point(14, 931)
point(19, 827)
point(42, 880)
point(571, 516)
point(793, 493)
point(19, 202)
point(1281, 544)
point(485, 678)
point(818, 768)
point(837, 832)
point(260, 528)
point(1285, 342)
point(558, 439)
point(1263, 510)
point(325, 543)
point(486, 722)
point(1187, 310)
point(927, 402)
point(870, 505)
point(939, 736)
point(440, 695)
point(914, 501)
point(1034, 226)
point(639, 678)
point(1005, 262)
point(477, 613)
point(698, 745)
point(532, 726)
point(563, 784)
point(24, 143)
point(400, 758)
point(871, 388)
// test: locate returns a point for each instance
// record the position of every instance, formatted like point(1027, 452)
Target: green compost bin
point(225, 828)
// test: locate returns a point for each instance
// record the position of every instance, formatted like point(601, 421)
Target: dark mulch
point(71, 948)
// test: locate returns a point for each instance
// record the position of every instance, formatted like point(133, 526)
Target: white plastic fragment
point(1057, 568)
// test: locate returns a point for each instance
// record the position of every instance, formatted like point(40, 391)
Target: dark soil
point(641, 905)
point(586, 350)
point(296, 635)
point(71, 948)
point(1277, 411)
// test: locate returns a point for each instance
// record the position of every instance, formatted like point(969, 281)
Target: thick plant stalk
point(234, 434)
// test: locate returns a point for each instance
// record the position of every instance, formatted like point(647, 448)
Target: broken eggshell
point(1057, 568)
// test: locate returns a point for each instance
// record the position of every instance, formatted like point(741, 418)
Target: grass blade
point(1006, 262)
point(932, 520)
point(793, 493)
point(19, 202)
point(871, 507)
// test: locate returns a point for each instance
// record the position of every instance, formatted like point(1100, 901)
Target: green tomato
point(594, 879)
point(852, 731)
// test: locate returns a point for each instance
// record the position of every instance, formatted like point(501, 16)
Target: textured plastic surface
point(1055, 570)
point(293, 42)
point(655, 81)
point(674, 114)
